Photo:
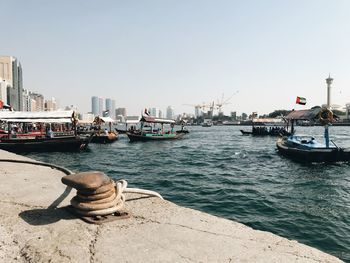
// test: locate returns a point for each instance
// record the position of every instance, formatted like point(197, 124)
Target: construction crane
point(220, 104)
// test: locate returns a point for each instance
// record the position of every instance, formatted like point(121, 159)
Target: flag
point(301, 100)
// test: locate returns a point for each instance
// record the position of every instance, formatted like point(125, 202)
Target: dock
point(35, 226)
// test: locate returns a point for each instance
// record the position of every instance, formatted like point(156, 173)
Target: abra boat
point(183, 128)
point(104, 136)
point(41, 131)
point(267, 127)
point(308, 149)
point(207, 123)
point(149, 131)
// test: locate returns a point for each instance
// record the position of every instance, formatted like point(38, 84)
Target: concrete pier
point(33, 230)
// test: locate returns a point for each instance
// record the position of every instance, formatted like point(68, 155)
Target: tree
point(278, 113)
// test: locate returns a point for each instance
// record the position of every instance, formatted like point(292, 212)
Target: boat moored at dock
point(41, 132)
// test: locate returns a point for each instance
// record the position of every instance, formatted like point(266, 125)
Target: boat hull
point(58, 144)
point(313, 155)
point(154, 137)
point(267, 133)
point(104, 139)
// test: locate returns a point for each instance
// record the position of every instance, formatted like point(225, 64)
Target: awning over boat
point(311, 114)
point(268, 121)
point(45, 116)
point(152, 119)
point(107, 119)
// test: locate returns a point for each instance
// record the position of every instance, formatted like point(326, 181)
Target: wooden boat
point(183, 129)
point(151, 133)
point(56, 144)
point(106, 136)
point(267, 127)
point(207, 123)
point(246, 132)
point(153, 136)
point(39, 140)
point(309, 150)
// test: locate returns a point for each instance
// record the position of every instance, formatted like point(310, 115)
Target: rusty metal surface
point(86, 180)
point(96, 196)
point(104, 188)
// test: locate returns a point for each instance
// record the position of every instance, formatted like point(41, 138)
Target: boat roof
point(310, 114)
point(107, 119)
point(37, 116)
point(152, 119)
point(268, 121)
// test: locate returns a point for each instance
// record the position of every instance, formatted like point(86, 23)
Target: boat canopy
point(310, 114)
point(37, 116)
point(152, 119)
point(132, 121)
point(107, 119)
point(268, 121)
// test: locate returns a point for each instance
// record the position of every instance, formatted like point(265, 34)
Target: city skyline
point(163, 53)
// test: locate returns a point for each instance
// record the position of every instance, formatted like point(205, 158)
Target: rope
point(121, 188)
point(60, 168)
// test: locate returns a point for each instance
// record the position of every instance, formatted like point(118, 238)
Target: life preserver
point(326, 116)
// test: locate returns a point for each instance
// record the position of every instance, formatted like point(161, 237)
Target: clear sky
point(155, 53)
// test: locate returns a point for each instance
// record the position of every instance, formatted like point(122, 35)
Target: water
point(243, 178)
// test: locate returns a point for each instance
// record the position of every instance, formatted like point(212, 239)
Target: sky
point(157, 53)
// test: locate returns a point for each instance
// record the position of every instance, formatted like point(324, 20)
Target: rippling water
point(243, 178)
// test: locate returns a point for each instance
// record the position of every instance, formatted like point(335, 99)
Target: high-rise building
point(170, 113)
point(39, 101)
point(100, 106)
point(51, 105)
point(94, 105)
point(3, 90)
point(97, 106)
point(110, 107)
point(27, 100)
point(153, 112)
point(11, 71)
point(120, 112)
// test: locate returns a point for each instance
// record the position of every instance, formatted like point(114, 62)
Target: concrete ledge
point(158, 231)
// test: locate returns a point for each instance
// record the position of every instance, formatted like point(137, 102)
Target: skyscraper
point(3, 90)
point(120, 111)
point(11, 71)
point(94, 105)
point(97, 106)
point(170, 113)
point(100, 106)
point(110, 107)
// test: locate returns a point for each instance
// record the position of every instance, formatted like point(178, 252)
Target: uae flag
point(301, 100)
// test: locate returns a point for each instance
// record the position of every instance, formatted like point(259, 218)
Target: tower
point(11, 71)
point(329, 81)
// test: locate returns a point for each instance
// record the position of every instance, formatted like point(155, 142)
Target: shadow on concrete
point(52, 214)
point(39, 217)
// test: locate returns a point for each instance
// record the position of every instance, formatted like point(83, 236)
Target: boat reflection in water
point(40, 131)
point(150, 130)
point(308, 149)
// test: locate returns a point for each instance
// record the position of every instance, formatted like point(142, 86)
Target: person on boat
point(49, 132)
